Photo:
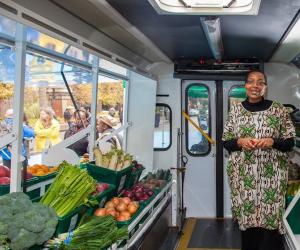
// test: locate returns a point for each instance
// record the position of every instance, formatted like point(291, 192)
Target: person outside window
point(47, 130)
point(28, 134)
point(105, 128)
point(81, 146)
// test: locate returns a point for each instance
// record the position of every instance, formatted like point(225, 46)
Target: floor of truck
point(209, 234)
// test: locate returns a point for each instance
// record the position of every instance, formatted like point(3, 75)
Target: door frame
point(219, 99)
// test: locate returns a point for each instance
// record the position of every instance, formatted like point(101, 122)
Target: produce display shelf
point(152, 213)
point(293, 240)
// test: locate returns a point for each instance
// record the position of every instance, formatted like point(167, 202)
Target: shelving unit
point(293, 240)
point(140, 226)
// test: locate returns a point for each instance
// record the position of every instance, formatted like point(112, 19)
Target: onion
point(100, 212)
point(121, 207)
point(121, 218)
point(150, 192)
point(126, 200)
point(132, 208)
point(115, 200)
point(126, 214)
point(109, 204)
point(111, 212)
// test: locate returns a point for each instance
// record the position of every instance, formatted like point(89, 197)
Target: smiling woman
point(258, 133)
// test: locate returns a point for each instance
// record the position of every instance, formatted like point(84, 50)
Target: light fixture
point(206, 7)
point(212, 29)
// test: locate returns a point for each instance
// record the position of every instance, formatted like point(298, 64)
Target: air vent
point(101, 52)
point(8, 8)
point(124, 63)
point(206, 7)
point(48, 27)
point(236, 67)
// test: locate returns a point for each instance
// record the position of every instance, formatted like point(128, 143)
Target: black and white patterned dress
point(258, 178)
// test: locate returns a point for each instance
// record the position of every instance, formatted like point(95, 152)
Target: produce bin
point(102, 198)
point(70, 221)
point(47, 176)
point(293, 217)
point(133, 177)
point(126, 223)
point(147, 202)
point(117, 178)
point(4, 189)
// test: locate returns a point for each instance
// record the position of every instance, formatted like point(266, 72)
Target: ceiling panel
point(182, 36)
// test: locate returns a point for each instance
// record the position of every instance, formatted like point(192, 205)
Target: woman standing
point(258, 134)
point(46, 130)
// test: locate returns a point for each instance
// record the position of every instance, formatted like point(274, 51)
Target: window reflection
point(237, 94)
point(162, 127)
point(7, 68)
point(198, 110)
point(7, 26)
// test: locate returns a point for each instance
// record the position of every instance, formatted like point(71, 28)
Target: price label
point(73, 222)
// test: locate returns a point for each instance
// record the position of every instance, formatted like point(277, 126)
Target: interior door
point(233, 91)
point(198, 101)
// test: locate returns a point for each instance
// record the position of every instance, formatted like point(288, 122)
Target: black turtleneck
point(279, 144)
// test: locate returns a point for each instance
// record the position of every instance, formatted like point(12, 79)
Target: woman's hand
point(247, 143)
point(264, 143)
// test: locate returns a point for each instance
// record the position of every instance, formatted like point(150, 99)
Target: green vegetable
point(96, 234)
point(70, 189)
point(23, 223)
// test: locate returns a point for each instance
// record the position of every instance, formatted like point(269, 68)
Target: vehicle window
point(49, 111)
point(236, 94)
point(107, 65)
point(197, 106)
point(7, 71)
point(162, 127)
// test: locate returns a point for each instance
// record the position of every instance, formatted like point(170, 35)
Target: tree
point(6, 91)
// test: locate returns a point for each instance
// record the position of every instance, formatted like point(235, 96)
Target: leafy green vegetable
point(70, 189)
point(23, 223)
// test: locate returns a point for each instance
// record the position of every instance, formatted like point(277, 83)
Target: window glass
point(107, 65)
point(162, 127)
point(48, 42)
point(7, 26)
point(7, 68)
point(110, 107)
point(48, 106)
point(197, 97)
point(237, 94)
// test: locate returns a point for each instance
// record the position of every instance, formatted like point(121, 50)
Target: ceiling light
point(206, 7)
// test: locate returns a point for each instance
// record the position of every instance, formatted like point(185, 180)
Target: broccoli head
point(24, 239)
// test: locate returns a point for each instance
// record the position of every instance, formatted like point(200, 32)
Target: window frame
point(170, 144)
point(232, 87)
point(187, 122)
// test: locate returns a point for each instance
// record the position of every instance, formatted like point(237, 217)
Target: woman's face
point(43, 115)
point(255, 86)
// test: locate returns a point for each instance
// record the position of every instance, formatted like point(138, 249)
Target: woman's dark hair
point(255, 71)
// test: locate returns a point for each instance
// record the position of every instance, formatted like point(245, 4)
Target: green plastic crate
point(147, 202)
point(48, 176)
point(133, 177)
point(70, 221)
point(102, 198)
point(117, 178)
point(126, 223)
point(4, 189)
point(294, 216)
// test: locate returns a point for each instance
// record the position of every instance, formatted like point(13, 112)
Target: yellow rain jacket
point(44, 135)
